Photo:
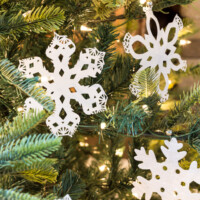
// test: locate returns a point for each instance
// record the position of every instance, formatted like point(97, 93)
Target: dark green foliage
point(134, 9)
point(117, 66)
point(70, 184)
point(183, 111)
point(106, 35)
point(126, 119)
point(161, 4)
point(194, 136)
point(119, 74)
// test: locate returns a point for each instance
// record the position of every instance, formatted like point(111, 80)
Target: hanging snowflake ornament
point(160, 54)
point(169, 180)
point(62, 85)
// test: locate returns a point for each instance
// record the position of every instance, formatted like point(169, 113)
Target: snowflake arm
point(177, 63)
point(32, 66)
point(140, 188)
point(141, 155)
point(173, 147)
point(91, 62)
point(129, 41)
point(93, 99)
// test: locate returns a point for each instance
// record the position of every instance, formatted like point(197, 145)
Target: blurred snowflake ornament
point(66, 197)
point(63, 84)
point(160, 54)
point(169, 180)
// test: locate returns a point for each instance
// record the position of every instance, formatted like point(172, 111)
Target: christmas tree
point(120, 107)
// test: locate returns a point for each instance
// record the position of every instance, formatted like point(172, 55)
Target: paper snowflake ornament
point(62, 85)
point(160, 54)
point(169, 180)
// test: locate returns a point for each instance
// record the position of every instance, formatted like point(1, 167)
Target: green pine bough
point(26, 156)
point(20, 125)
point(16, 195)
point(38, 20)
point(28, 149)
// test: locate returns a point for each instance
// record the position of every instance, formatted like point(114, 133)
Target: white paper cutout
point(169, 180)
point(160, 51)
point(66, 197)
point(63, 84)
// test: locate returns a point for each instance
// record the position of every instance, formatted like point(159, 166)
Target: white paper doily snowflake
point(160, 53)
point(63, 84)
point(169, 180)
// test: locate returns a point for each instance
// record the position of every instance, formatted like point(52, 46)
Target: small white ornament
point(67, 197)
point(169, 180)
point(63, 84)
point(160, 54)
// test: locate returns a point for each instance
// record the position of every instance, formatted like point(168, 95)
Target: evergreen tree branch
point(38, 20)
point(181, 111)
point(127, 120)
point(12, 194)
point(146, 82)
point(134, 10)
point(20, 125)
point(106, 36)
point(28, 149)
point(40, 172)
point(71, 184)
point(104, 8)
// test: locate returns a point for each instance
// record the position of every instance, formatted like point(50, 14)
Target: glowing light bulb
point(145, 107)
point(142, 1)
point(103, 125)
point(184, 42)
point(170, 82)
point(86, 144)
point(26, 13)
point(44, 79)
point(98, 41)
point(118, 41)
point(85, 28)
point(82, 144)
point(20, 109)
point(102, 168)
point(119, 152)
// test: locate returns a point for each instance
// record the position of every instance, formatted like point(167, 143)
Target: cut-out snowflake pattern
point(160, 53)
point(169, 180)
point(63, 84)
